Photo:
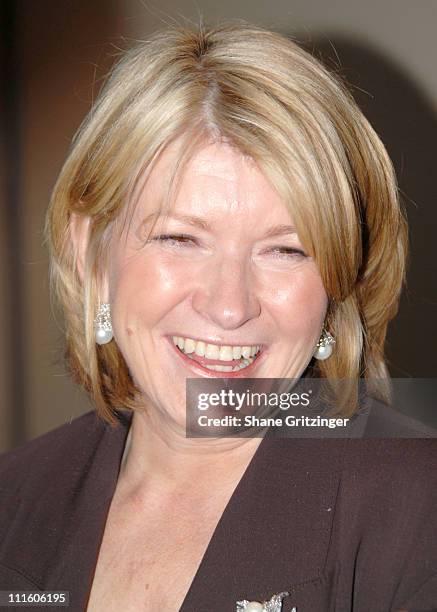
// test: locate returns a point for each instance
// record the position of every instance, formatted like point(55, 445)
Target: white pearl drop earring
point(102, 324)
point(324, 346)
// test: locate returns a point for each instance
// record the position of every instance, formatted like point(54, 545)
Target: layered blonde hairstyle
point(274, 102)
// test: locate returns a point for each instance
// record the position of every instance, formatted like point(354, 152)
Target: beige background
point(54, 55)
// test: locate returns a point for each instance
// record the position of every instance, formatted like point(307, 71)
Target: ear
point(79, 233)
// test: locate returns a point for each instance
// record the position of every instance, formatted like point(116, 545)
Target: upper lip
point(217, 341)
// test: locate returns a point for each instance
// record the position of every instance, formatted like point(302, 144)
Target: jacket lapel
point(79, 553)
point(275, 531)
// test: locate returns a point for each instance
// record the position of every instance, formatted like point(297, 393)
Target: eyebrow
point(280, 230)
point(195, 221)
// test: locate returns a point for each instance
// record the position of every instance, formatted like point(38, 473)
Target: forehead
point(217, 179)
point(220, 161)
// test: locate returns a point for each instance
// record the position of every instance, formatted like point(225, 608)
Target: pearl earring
point(103, 325)
point(324, 345)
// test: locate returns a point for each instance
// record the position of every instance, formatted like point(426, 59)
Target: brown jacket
point(340, 524)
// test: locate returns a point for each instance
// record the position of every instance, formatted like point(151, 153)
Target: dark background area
point(53, 57)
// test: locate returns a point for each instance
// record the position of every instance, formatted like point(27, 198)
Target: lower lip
point(194, 365)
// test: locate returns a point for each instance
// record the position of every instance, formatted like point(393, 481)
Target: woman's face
point(226, 273)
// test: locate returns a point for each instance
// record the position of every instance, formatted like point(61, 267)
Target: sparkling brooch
point(273, 605)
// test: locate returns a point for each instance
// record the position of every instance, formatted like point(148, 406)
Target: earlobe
point(79, 233)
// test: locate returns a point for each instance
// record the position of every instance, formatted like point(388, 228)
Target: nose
point(226, 294)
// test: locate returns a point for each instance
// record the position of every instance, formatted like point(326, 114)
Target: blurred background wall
point(54, 54)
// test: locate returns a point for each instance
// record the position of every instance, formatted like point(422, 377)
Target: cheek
point(144, 291)
point(299, 302)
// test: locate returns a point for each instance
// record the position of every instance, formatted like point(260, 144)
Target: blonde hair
point(274, 102)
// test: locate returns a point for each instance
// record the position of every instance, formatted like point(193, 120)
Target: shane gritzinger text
point(254, 421)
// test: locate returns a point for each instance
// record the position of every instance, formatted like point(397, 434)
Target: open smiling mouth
point(223, 360)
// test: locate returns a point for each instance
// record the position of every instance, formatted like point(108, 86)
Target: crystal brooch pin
point(273, 605)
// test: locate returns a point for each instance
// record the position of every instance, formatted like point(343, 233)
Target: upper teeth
point(215, 351)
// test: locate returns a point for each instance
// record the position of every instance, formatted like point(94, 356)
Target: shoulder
point(393, 473)
point(394, 462)
point(43, 448)
point(384, 421)
point(409, 457)
point(393, 441)
point(66, 448)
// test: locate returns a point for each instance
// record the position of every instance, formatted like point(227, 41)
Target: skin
point(229, 284)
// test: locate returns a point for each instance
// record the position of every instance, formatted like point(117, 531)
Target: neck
point(159, 455)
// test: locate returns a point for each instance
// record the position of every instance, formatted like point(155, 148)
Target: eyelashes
point(185, 240)
point(174, 238)
point(288, 251)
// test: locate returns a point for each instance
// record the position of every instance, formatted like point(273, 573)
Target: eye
point(288, 252)
point(176, 240)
